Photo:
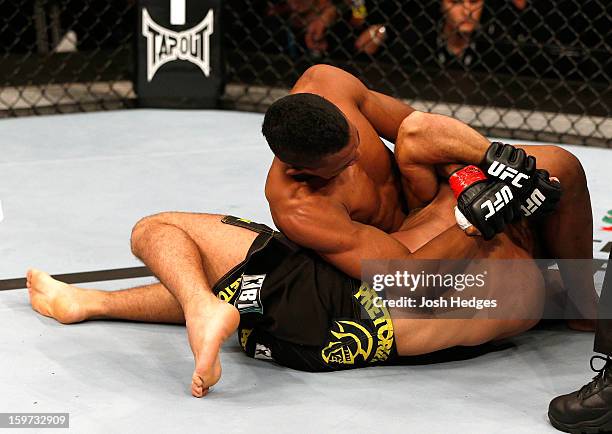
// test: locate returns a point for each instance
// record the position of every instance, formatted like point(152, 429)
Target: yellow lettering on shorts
point(365, 295)
point(227, 293)
point(384, 329)
point(244, 337)
point(381, 319)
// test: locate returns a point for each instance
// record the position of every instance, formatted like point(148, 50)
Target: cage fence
point(525, 69)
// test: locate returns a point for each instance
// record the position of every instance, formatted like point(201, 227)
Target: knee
point(567, 167)
point(142, 231)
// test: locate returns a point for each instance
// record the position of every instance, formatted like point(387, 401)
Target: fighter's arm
point(512, 181)
point(440, 137)
point(428, 138)
point(326, 227)
point(384, 113)
point(427, 142)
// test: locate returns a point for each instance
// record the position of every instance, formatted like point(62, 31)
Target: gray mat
point(72, 187)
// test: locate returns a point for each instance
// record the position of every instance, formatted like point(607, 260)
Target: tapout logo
point(503, 172)
point(165, 45)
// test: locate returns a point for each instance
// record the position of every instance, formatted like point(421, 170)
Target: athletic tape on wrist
point(463, 178)
point(462, 222)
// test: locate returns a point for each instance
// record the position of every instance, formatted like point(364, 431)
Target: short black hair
point(303, 127)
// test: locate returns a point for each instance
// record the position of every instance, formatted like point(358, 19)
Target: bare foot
point(210, 322)
point(55, 299)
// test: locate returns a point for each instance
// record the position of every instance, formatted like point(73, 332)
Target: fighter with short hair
point(336, 194)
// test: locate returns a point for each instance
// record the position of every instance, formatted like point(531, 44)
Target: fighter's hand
point(544, 196)
point(488, 205)
point(512, 165)
point(371, 39)
point(315, 35)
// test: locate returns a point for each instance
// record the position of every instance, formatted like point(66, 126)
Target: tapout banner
point(179, 53)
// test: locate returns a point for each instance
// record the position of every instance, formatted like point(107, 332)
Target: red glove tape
point(463, 178)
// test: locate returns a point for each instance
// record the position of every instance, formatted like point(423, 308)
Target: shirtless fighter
point(293, 306)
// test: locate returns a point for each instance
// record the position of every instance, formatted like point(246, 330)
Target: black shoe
point(589, 410)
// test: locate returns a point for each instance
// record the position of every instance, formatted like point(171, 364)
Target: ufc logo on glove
point(503, 172)
point(502, 198)
point(533, 203)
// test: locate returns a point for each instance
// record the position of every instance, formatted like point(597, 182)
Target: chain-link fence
point(528, 69)
point(65, 55)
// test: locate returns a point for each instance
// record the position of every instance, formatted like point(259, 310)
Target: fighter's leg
point(568, 232)
point(187, 253)
point(225, 247)
point(416, 335)
point(184, 250)
point(70, 304)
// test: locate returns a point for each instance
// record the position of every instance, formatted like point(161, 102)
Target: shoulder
point(281, 190)
point(323, 72)
point(332, 83)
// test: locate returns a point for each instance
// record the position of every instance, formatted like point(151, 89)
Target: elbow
point(414, 127)
point(412, 133)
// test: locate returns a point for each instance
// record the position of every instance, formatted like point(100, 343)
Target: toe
point(198, 391)
point(197, 386)
point(196, 380)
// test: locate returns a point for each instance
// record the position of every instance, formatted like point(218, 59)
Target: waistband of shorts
point(265, 234)
point(248, 224)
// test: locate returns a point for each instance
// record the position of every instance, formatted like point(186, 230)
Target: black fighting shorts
point(301, 312)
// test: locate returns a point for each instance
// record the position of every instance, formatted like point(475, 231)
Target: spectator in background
point(325, 27)
point(308, 21)
point(453, 34)
point(365, 32)
point(460, 20)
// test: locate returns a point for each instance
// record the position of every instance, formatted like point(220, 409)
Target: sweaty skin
point(346, 213)
point(223, 247)
point(363, 188)
point(367, 189)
